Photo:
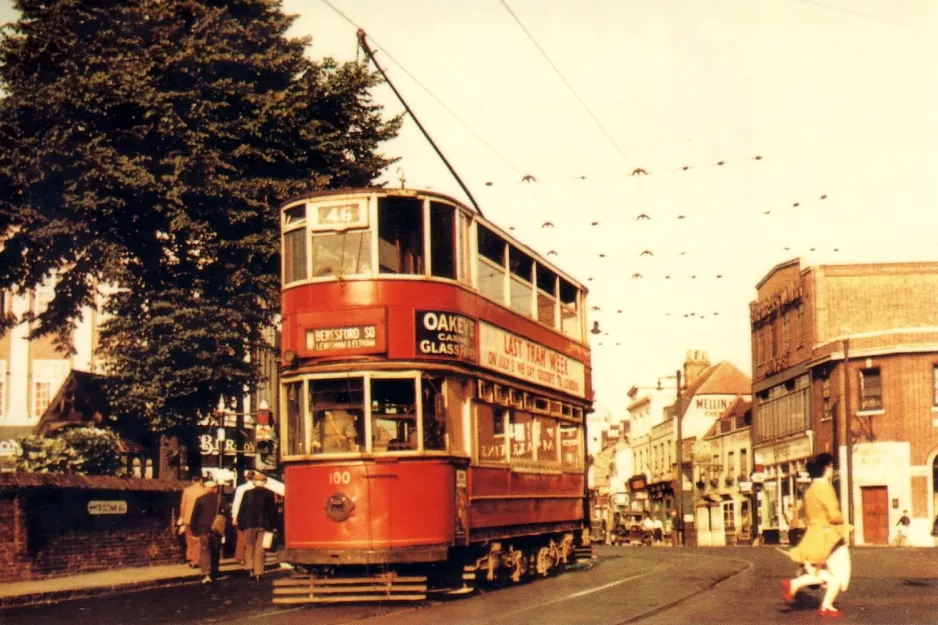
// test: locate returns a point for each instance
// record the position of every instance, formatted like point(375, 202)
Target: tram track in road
point(719, 581)
point(636, 585)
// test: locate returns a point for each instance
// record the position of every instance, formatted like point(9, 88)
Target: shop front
point(661, 503)
point(784, 467)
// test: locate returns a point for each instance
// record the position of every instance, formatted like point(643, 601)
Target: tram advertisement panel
point(445, 335)
point(519, 357)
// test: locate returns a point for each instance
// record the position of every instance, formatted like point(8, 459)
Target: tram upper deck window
point(465, 247)
point(393, 414)
point(520, 288)
point(442, 240)
point(546, 296)
point(569, 313)
point(491, 265)
point(337, 406)
point(294, 244)
point(400, 235)
point(341, 254)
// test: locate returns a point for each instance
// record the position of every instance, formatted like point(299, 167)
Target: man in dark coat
point(256, 516)
point(203, 514)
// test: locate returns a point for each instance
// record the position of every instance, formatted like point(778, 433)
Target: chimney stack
point(696, 363)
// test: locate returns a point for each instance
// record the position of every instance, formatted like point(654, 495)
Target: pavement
point(114, 581)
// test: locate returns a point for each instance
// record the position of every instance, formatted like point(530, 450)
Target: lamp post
point(679, 456)
point(848, 437)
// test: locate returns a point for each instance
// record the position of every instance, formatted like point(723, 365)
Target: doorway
point(875, 515)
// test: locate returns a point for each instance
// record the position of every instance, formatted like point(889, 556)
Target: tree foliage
point(147, 146)
point(72, 450)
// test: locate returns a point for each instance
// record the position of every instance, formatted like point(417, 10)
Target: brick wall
point(48, 529)
point(854, 299)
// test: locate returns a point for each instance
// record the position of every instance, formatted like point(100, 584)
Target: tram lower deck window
point(393, 414)
point(337, 406)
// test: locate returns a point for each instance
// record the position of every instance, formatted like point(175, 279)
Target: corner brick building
point(882, 320)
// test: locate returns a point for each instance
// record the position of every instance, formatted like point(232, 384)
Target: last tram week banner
point(449, 335)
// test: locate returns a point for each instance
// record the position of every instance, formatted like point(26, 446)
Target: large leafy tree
point(146, 146)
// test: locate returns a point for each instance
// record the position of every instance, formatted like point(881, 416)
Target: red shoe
point(829, 613)
point(787, 594)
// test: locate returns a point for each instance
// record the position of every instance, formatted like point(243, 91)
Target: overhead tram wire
point(367, 49)
point(427, 90)
point(566, 82)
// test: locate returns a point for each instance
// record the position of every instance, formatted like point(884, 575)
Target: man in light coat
point(184, 524)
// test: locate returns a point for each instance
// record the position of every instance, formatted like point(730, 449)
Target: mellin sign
point(445, 335)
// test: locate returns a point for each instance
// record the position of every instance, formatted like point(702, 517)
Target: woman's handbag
point(268, 540)
point(220, 523)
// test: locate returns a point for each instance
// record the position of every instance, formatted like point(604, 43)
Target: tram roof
point(541, 260)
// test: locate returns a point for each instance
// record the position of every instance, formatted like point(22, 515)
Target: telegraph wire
point(565, 81)
point(427, 90)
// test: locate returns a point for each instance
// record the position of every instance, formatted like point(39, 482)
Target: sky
point(767, 130)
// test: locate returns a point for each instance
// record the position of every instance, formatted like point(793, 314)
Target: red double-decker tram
point(434, 381)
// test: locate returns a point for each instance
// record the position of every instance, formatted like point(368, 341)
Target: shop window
point(521, 290)
point(871, 389)
point(491, 265)
point(337, 407)
point(434, 413)
point(442, 243)
point(296, 422)
point(546, 296)
point(341, 254)
point(547, 450)
point(393, 414)
point(490, 433)
point(570, 446)
point(569, 313)
point(400, 236)
point(521, 432)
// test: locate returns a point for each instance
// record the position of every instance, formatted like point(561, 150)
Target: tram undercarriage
point(505, 561)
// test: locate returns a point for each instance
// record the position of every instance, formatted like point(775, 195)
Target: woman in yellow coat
point(823, 549)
